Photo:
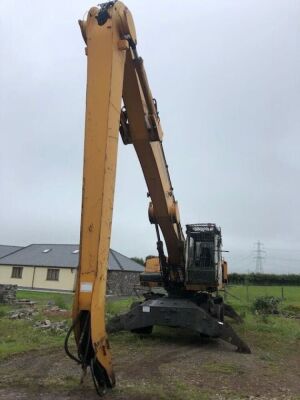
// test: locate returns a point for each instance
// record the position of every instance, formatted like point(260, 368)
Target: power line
point(283, 249)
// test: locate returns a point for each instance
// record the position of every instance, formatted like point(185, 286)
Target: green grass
point(65, 300)
point(223, 368)
point(176, 390)
point(272, 334)
point(17, 336)
point(278, 331)
point(114, 307)
point(42, 298)
point(291, 293)
point(272, 339)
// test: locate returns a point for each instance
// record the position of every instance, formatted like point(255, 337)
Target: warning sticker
point(86, 287)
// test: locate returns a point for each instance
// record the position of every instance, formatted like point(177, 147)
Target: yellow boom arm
point(114, 71)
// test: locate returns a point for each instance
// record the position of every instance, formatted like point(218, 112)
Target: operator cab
point(203, 255)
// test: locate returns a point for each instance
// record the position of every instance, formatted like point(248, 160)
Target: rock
point(56, 327)
point(25, 302)
point(24, 313)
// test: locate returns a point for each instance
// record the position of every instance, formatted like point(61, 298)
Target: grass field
point(168, 363)
point(19, 335)
point(243, 295)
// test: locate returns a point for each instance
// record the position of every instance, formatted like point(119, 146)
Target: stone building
point(54, 267)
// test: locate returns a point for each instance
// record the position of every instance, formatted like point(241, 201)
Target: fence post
point(246, 282)
point(247, 291)
point(282, 294)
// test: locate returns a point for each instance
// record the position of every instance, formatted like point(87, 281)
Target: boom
point(193, 269)
point(144, 130)
point(114, 71)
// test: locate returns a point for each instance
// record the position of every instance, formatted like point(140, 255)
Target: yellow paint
point(152, 265)
point(224, 272)
point(113, 72)
point(105, 69)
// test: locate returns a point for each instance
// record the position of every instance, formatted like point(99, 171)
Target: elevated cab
point(203, 256)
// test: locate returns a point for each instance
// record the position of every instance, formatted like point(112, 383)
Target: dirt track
point(180, 368)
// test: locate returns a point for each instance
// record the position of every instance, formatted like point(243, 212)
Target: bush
point(266, 305)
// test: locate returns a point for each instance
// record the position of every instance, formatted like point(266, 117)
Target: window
point(17, 272)
point(52, 274)
point(191, 251)
point(197, 252)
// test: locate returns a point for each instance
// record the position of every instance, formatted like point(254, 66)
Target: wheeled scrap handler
point(191, 268)
point(195, 306)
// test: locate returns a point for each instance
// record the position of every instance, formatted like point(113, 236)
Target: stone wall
point(8, 294)
point(122, 283)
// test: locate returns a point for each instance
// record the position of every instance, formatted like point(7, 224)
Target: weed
point(223, 368)
point(265, 305)
point(60, 302)
point(2, 313)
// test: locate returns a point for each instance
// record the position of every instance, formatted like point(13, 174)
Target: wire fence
point(248, 293)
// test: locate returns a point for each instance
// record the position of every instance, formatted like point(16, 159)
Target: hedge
point(264, 279)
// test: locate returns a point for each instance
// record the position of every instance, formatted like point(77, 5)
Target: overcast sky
point(226, 75)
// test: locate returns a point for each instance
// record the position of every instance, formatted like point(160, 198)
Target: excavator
point(189, 268)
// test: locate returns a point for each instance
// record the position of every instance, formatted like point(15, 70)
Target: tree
point(150, 256)
point(138, 260)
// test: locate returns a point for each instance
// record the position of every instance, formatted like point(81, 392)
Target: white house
point(54, 267)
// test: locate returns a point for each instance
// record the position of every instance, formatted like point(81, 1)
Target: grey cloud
point(226, 77)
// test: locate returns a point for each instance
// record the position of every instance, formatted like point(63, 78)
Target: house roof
point(6, 250)
point(63, 256)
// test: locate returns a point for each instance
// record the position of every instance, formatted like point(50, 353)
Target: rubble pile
point(29, 311)
point(8, 294)
point(23, 313)
point(56, 327)
point(25, 302)
point(56, 311)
